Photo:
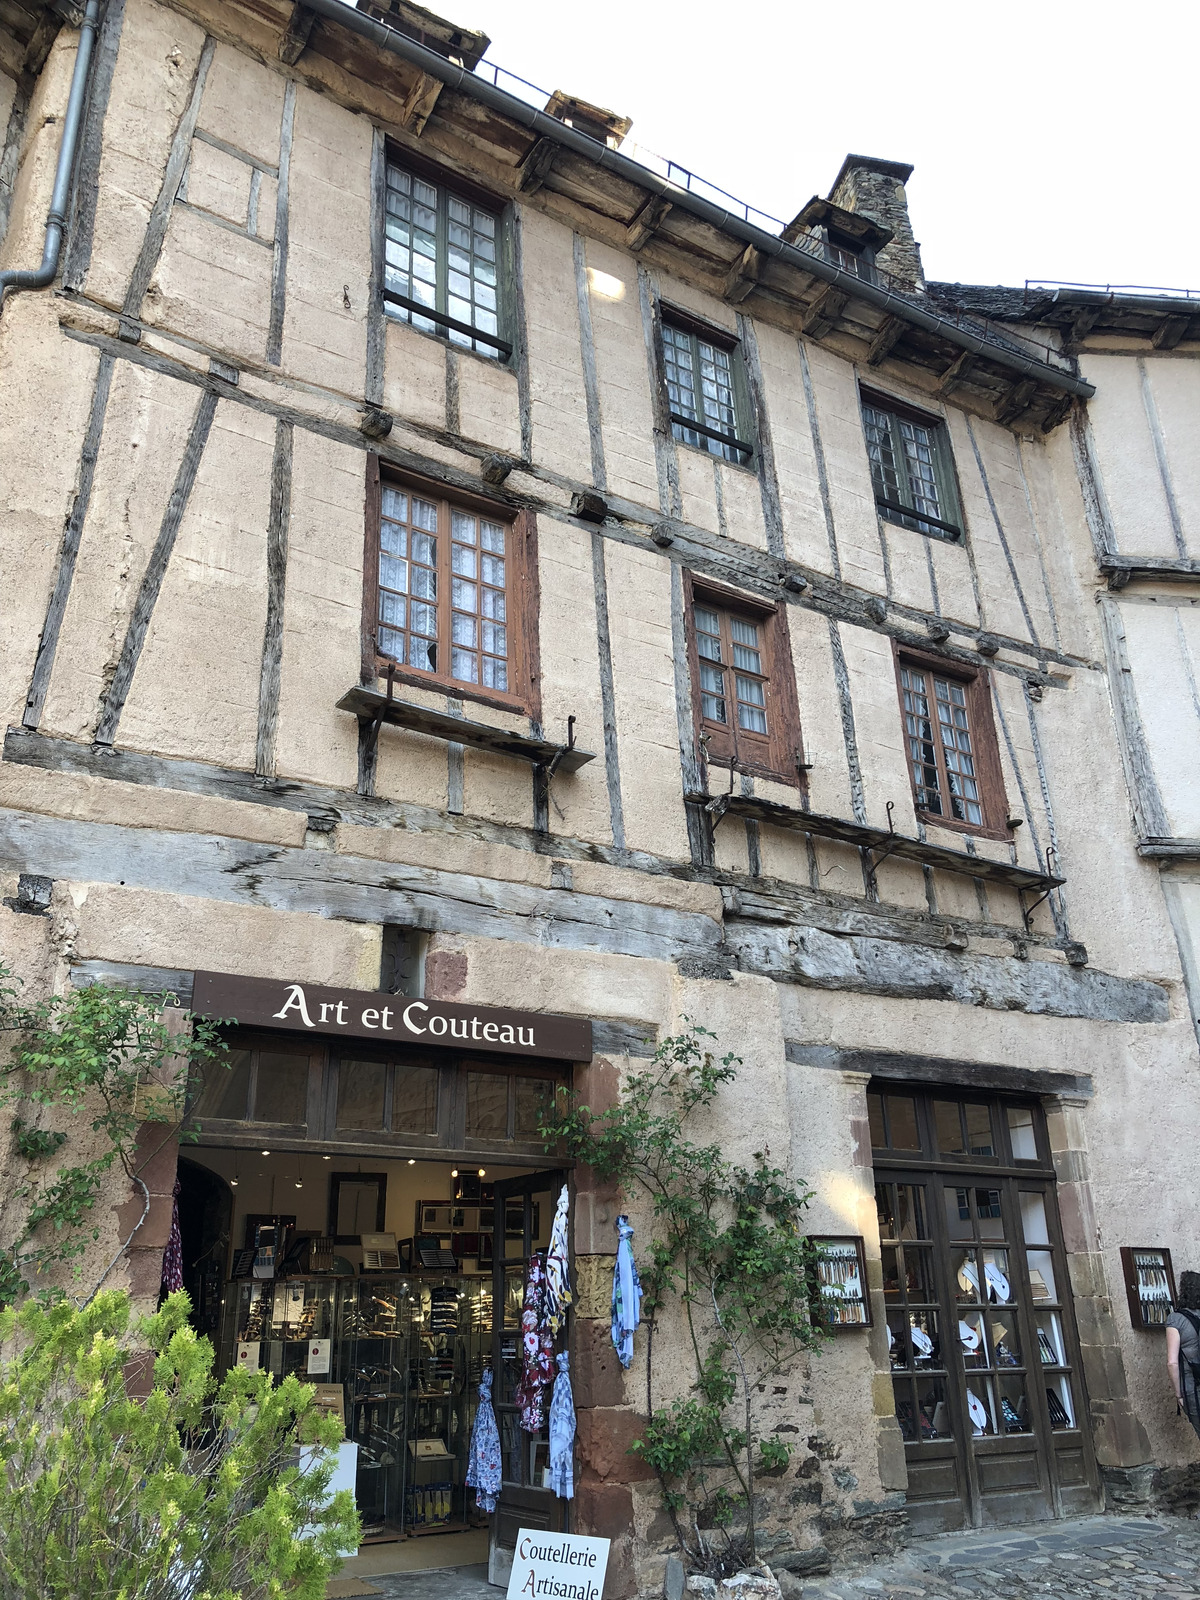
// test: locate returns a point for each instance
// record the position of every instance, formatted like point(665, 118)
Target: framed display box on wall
point(1149, 1284)
point(840, 1297)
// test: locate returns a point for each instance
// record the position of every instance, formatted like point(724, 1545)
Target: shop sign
point(389, 1018)
point(557, 1566)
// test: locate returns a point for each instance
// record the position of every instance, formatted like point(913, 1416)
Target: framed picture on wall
point(357, 1205)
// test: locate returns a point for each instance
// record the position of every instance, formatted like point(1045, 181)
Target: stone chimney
point(876, 189)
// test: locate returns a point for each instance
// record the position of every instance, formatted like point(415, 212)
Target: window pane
point(918, 730)
point(224, 1090)
point(1021, 1133)
point(949, 1127)
point(360, 1101)
point(458, 276)
point(902, 1122)
point(979, 1131)
point(487, 1105)
point(875, 1119)
point(414, 1100)
point(534, 1099)
point(282, 1092)
point(956, 747)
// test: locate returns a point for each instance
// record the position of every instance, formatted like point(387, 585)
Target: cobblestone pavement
point(447, 1583)
point(1095, 1558)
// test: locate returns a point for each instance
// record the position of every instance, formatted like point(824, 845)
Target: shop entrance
point(352, 1254)
point(981, 1332)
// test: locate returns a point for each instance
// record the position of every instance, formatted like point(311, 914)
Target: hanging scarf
point(558, 1280)
point(562, 1433)
point(626, 1294)
point(172, 1267)
point(483, 1457)
point(537, 1349)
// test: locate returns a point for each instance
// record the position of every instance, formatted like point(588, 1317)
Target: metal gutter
point(548, 127)
point(56, 220)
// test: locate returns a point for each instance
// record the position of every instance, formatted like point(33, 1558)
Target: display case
point(450, 1342)
point(1149, 1284)
point(372, 1342)
point(282, 1325)
point(840, 1299)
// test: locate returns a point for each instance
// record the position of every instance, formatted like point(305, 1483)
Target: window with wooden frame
point(950, 745)
point(743, 684)
point(912, 471)
point(443, 260)
point(450, 593)
point(706, 394)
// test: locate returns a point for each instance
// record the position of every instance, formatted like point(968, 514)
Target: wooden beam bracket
point(891, 331)
point(1012, 404)
point(419, 103)
point(957, 372)
point(743, 277)
point(1169, 332)
point(647, 222)
point(822, 315)
point(535, 168)
point(294, 40)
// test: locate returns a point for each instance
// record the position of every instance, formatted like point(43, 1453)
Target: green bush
point(126, 1473)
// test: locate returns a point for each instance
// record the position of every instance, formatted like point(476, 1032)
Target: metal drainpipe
point(56, 220)
point(538, 122)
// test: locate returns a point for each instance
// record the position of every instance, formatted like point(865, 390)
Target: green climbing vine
point(728, 1247)
point(105, 1059)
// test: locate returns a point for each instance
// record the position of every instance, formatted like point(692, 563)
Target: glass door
point(524, 1213)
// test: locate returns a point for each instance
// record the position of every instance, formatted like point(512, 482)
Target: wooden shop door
point(524, 1213)
point(981, 1333)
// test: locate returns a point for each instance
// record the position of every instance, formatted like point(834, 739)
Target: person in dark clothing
point(1183, 1347)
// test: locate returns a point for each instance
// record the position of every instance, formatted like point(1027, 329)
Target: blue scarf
point(626, 1294)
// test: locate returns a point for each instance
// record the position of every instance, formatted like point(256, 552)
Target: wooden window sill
point(370, 704)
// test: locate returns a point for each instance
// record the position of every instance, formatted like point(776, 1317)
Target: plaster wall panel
point(1000, 451)
point(151, 88)
point(411, 766)
point(268, 204)
point(952, 576)
point(1023, 766)
point(697, 488)
point(558, 403)
point(41, 370)
point(1128, 468)
point(782, 853)
point(498, 788)
point(445, 852)
point(908, 564)
point(851, 497)
point(322, 613)
point(146, 429)
point(1175, 390)
point(329, 245)
point(741, 503)
point(219, 183)
point(839, 868)
point(150, 928)
point(1163, 643)
point(1066, 541)
point(501, 972)
point(820, 714)
point(805, 536)
point(958, 896)
point(242, 105)
point(639, 609)
point(674, 292)
point(33, 180)
point(872, 673)
point(90, 799)
point(730, 847)
point(1000, 608)
point(1113, 898)
point(212, 285)
point(488, 405)
point(622, 374)
point(414, 385)
point(571, 677)
point(188, 698)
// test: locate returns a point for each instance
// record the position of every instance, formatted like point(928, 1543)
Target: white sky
point(1051, 138)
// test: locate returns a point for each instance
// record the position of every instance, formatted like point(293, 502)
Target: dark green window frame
point(445, 260)
point(912, 470)
point(705, 385)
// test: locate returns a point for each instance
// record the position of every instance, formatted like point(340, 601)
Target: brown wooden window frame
point(985, 749)
point(778, 754)
point(520, 590)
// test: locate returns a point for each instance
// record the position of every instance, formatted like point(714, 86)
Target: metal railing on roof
point(1139, 290)
point(683, 178)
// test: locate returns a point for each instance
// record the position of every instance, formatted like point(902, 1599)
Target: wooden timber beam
point(535, 168)
point(742, 277)
point(1011, 405)
point(1169, 332)
point(822, 316)
point(891, 331)
point(1056, 412)
point(419, 103)
point(957, 372)
point(1083, 323)
point(294, 39)
point(647, 222)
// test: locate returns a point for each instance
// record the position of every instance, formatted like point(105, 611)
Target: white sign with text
point(558, 1566)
